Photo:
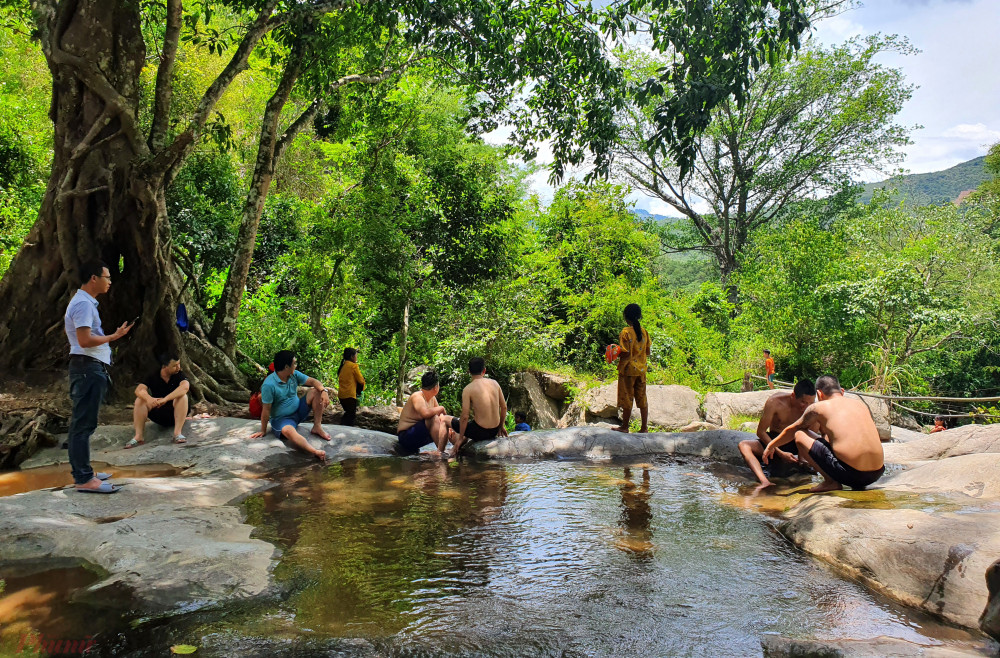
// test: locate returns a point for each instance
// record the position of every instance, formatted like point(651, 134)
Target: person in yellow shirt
point(635, 347)
point(352, 382)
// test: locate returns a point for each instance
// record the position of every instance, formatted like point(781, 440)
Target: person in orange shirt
point(769, 365)
point(351, 383)
point(635, 347)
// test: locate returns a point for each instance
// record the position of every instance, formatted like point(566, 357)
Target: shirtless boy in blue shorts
point(423, 420)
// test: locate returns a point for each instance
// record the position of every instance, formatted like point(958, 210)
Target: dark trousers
point(88, 383)
point(350, 406)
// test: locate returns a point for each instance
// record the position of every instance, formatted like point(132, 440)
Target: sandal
point(180, 439)
point(133, 442)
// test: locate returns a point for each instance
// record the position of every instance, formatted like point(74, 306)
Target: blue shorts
point(302, 413)
point(770, 378)
point(412, 439)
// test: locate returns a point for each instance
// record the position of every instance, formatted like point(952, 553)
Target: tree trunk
point(402, 351)
point(727, 267)
point(227, 311)
point(101, 202)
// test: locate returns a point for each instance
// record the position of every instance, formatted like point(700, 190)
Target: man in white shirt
point(89, 358)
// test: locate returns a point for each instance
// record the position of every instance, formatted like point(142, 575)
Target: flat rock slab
point(776, 646)
point(904, 435)
point(176, 542)
point(964, 440)
point(603, 443)
point(221, 447)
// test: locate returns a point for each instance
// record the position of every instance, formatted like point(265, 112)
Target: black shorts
point(791, 447)
point(474, 432)
point(163, 415)
point(822, 454)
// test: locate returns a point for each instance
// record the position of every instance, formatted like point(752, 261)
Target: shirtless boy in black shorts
point(780, 411)
point(484, 397)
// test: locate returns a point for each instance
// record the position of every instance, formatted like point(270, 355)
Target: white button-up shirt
point(82, 312)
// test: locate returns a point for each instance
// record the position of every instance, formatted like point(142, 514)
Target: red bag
point(256, 406)
point(611, 353)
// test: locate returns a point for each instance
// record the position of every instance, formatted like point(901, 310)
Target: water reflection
point(637, 515)
point(372, 539)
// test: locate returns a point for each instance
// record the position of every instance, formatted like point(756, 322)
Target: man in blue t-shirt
point(279, 395)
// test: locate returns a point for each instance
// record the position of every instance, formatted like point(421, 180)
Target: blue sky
point(957, 99)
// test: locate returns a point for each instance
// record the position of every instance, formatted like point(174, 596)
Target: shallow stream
point(408, 557)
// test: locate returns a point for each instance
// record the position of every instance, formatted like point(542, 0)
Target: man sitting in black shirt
point(162, 398)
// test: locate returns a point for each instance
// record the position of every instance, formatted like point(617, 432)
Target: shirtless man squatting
point(849, 452)
point(781, 410)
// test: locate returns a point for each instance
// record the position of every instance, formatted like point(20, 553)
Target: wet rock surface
point(221, 447)
point(605, 443)
point(924, 535)
point(776, 646)
point(176, 542)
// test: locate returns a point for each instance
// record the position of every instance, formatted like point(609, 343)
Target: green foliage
point(25, 135)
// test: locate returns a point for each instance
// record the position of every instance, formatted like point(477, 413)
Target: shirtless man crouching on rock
point(849, 452)
point(485, 398)
point(423, 420)
point(780, 411)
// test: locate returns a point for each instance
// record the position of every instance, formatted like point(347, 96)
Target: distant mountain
point(935, 187)
point(641, 213)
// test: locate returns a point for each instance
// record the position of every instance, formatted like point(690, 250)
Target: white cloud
point(973, 132)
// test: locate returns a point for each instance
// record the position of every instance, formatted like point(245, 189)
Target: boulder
point(527, 395)
point(927, 558)
point(601, 401)
point(989, 621)
point(555, 386)
point(670, 407)
point(720, 408)
point(380, 418)
point(880, 414)
point(902, 434)
point(749, 426)
point(412, 381)
point(964, 440)
point(905, 421)
point(974, 476)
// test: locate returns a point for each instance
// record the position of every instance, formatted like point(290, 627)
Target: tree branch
point(164, 76)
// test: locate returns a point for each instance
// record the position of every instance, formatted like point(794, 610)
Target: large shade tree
point(806, 128)
point(545, 67)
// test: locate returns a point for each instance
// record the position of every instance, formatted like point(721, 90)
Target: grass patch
point(734, 422)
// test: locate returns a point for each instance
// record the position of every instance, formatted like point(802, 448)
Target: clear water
point(552, 557)
point(402, 557)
